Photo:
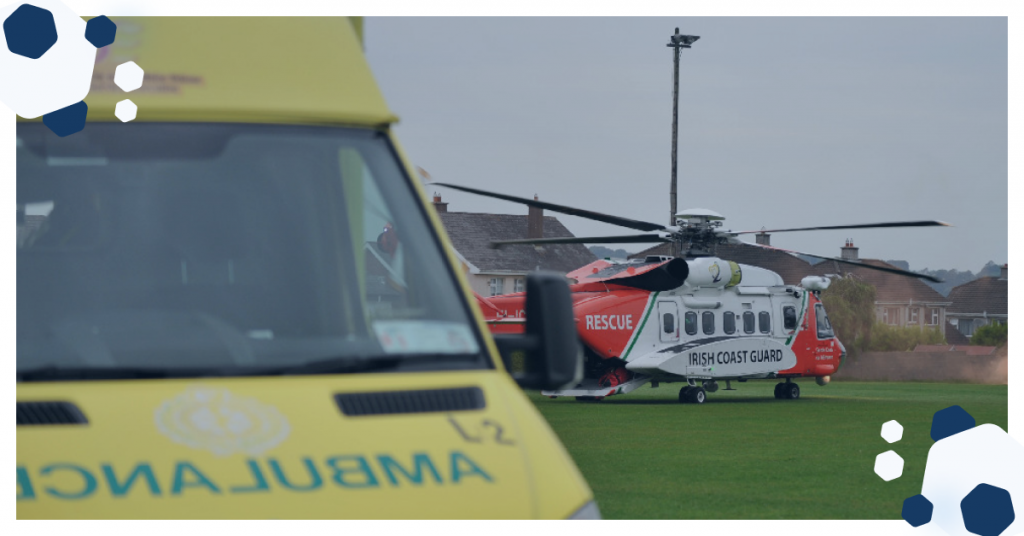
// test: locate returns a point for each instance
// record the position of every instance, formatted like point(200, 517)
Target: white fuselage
point(705, 329)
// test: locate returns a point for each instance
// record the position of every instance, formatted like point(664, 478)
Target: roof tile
point(471, 234)
point(983, 295)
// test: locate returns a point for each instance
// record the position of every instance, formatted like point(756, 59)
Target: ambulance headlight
point(589, 511)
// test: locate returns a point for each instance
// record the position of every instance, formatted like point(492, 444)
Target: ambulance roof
point(246, 69)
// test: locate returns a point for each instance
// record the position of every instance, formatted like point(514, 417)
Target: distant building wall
point(926, 366)
point(484, 284)
point(925, 315)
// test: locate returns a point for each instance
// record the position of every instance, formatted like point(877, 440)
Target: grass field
point(746, 455)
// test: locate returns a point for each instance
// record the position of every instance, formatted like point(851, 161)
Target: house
point(978, 303)
point(791, 269)
point(503, 271)
point(899, 300)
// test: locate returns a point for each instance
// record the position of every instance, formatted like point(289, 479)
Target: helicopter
point(695, 319)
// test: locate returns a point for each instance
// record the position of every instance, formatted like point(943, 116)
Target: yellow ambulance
point(239, 304)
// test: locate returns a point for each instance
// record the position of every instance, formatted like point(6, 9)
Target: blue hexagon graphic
point(67, 121)
point(949, 421)
point(917, 510)
point(30, 31)
point(987, 510)
point(100, 31)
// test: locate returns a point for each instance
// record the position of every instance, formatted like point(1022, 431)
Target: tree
point(850, 304)
point(994, 334)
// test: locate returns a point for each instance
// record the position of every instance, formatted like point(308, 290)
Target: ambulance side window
point(691, 323)
point(729, 322)
point(708, 319)
point(764, 321)
point(748, 322)
point(789, 317)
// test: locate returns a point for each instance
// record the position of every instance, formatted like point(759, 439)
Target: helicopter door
point(668, 313)
point(785, 313)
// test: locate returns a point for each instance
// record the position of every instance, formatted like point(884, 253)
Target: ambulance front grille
point(46, 413)
point(425, 401)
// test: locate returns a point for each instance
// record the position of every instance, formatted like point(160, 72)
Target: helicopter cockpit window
point(729, 322)
point(748, 322)
point(789, 317)
point(764, 321)
point(708, 321)
point(824, 326)
point(691, 323)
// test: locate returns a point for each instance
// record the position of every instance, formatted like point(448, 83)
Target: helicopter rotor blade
point(589, 214)
point(921, 223)
point(624, 239)
point(845, 261)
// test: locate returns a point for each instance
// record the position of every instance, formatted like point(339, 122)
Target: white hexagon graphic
point(889, 465)
point(126, 110)
point(128, 76)
point(59, 78)
point(892, 431)
point(958, 463)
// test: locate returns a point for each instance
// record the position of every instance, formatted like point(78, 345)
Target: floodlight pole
point(676, 42)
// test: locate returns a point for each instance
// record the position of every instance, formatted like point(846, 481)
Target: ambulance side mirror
point(549, 354)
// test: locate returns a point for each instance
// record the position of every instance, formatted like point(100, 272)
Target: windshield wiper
point(345, 365)
point(330, 365)
point(55, 373)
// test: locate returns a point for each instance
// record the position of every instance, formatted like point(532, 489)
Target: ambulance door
point(668, 315)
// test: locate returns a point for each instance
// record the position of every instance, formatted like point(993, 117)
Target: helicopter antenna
point(676, 42)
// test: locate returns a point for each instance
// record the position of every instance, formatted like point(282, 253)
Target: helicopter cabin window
point(789, 317)
point(707, 318)
point(729, 322)
point(691, 323)
point(764, 321)
point(824, 326)
point(748, 322)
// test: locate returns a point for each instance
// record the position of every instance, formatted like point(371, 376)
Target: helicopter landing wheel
point(684, 394)
point(778, 390)
point(697, 395)
point(791, 391)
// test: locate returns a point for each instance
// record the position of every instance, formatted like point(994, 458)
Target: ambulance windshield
point(199, 249)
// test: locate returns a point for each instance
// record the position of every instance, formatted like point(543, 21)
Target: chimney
point(763, 238)
point(1002, 272)
point(438, 205)
point(849, 251)
point(535, 222)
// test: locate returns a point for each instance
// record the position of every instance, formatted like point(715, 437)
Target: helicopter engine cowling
point(714, 272)
point(668, 276)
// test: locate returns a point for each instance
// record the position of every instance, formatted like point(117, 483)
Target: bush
point(994, 334)
point(886, 338)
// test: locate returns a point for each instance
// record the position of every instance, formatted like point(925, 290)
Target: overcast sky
point(784, 122)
